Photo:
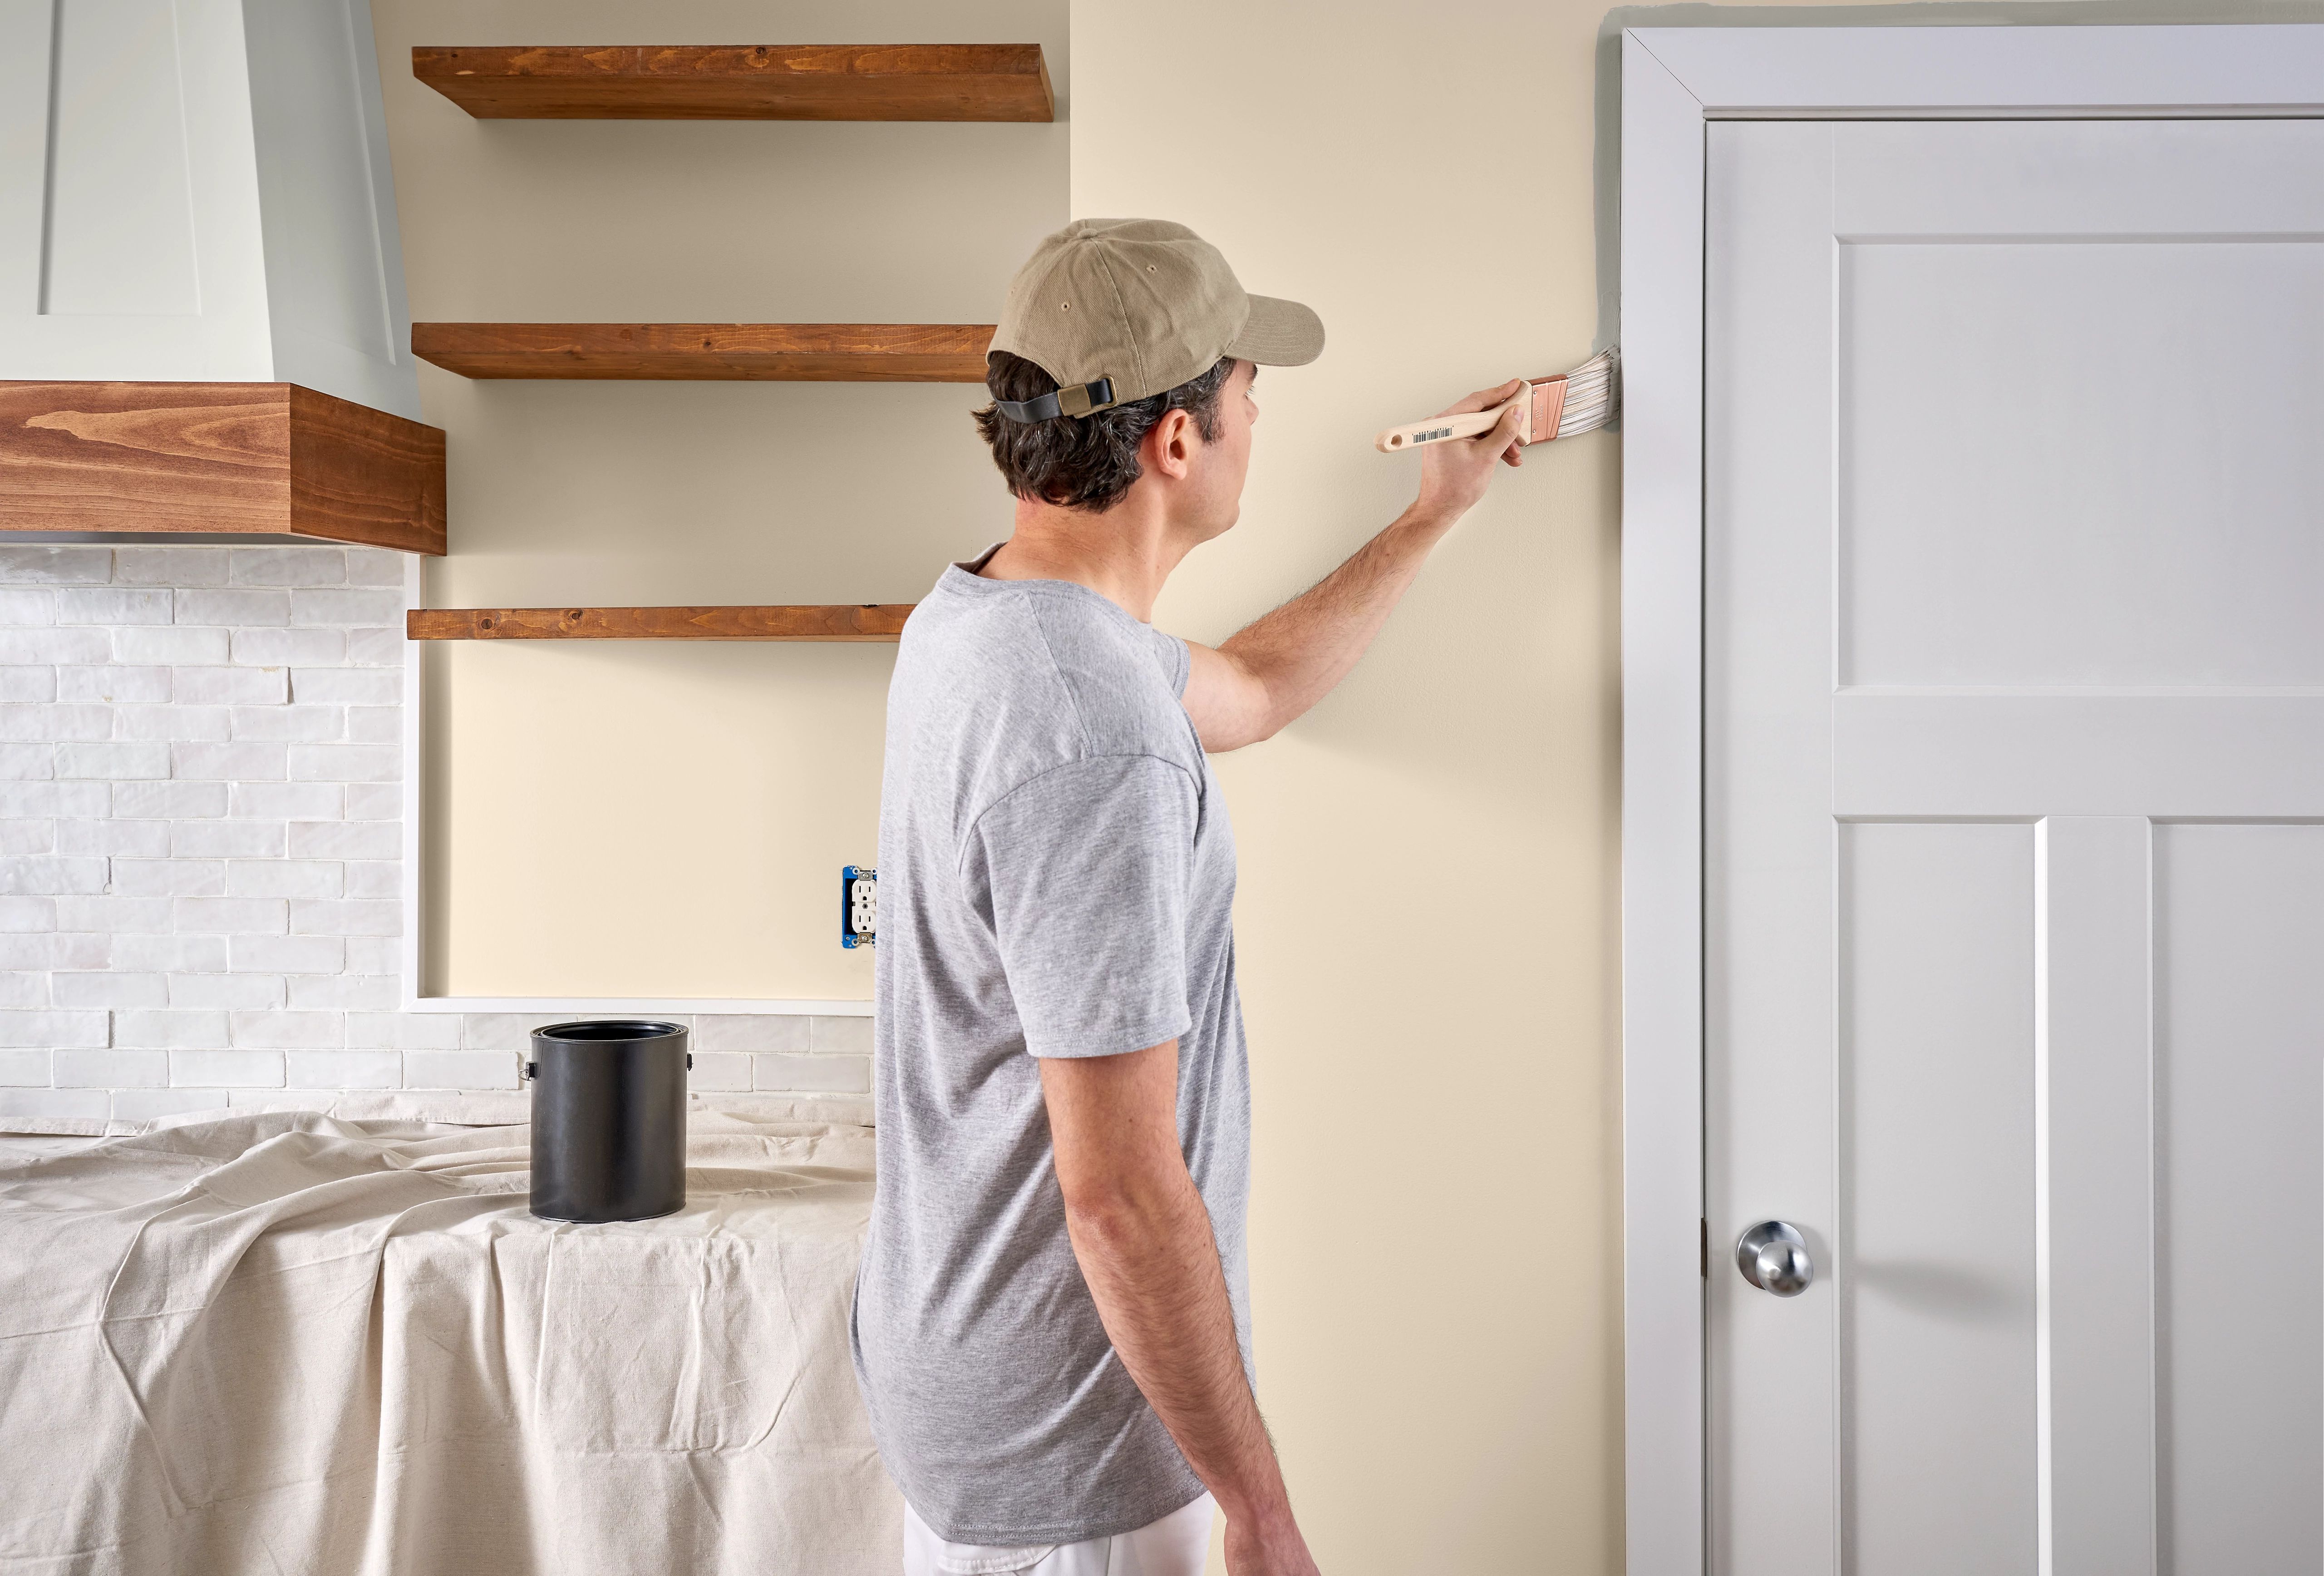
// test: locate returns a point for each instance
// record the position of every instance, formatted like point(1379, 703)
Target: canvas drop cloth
point(294, 1343)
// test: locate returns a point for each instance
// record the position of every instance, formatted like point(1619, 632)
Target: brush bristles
point(1593, 394)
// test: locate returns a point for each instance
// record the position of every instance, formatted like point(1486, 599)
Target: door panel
point(2012, 573)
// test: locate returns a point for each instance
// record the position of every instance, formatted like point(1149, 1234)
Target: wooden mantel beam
point(840, 621)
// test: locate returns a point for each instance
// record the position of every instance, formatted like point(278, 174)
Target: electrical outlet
point(859, 905)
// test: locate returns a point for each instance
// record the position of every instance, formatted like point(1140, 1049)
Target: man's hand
point(1151, 1262)
point(1454, 474)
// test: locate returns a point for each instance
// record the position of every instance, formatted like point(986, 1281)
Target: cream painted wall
point(669, 819)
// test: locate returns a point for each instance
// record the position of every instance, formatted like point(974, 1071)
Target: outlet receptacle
point(859, 905)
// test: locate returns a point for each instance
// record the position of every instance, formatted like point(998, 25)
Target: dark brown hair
point(1083, 462)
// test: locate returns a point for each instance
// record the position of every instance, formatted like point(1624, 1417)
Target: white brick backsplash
point(117, 761)
point(113, 1069)
point(347, 686)
point(326, 1069)
point(720, 1071)
point(289, 1031)
point(263, 916)
point(111, 989)
point(503, 1031)
point(347, 916)
point(339, 762)
point(233, 686)
point(51, 874)
point(374, 566)
point(120, 915)
point(227, 761)
point(169, 877)
point(374, 724)
point(738, 1031)
point(54, 798)
point(346, 607)
point(288, 566)
point(174, 724)
point(45, 950)
point(147, 840)
point(373, 954)
point(289, 802)
point(376, 648)
point(22, 1068)
point(28, 913)
point(54, 1030)
point(236, 609)
point(291, 954)
point(227, 1068)
point(28, 762)
point(171, 800)
point(168, 566)
point(111, 605)
point(290, 648)
point(459, 1069)
point(851, 1037)
point(53, 724)
point(227, 839)
point(32, 683)
point(374, 878)
point(143, 1104)
point(375, 993)
point(335, 840)
point(375, 801)
point(404, 1031)
point(167, 647)
point(285, 879)
point(57, 645)
point(297, 724)
point(814, 1074)
point(170, 1030)
point(28, 836)
point(56, 566)
point(165, 954)
point(79, 1104)
point(28, 988)
point(116, 684)
point(227, 992)
point(20, 609)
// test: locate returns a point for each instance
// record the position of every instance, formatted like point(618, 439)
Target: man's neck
point(1123, 555)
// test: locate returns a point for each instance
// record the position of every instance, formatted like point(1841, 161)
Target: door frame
point(1674, 81)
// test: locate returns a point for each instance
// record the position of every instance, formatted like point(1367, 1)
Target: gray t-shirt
point(1057, 876)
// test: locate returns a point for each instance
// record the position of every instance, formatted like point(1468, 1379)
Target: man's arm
point(1272, 671)
point(1151, 1262)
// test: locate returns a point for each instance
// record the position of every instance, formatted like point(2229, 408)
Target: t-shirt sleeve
point(1177, 662)
point(1086, 872)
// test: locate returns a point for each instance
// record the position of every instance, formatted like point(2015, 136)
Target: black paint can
point(608, 1119)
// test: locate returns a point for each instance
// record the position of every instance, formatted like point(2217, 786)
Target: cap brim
point(1278, 333)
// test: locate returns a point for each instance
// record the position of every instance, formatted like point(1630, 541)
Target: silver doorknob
point(1774, 1257)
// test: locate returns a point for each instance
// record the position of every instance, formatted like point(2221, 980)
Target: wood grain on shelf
point(742, 81)
point(263, 459)
point(778, 352)
point(842, 621)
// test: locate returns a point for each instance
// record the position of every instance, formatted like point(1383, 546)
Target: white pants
point(1176, 1546)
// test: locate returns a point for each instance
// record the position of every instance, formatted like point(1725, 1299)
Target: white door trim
point(1674, 79)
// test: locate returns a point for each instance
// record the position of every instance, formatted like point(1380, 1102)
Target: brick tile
point(296, 724)
point(377, 648)
point(287, 648)
point(291, 954)
point(30, 684)
point(112, 605)
point(109, 989)
point(147, 840)
point(56, 566)
point(374, 878)
point(347, 686)
point(116, 915)
point(225, 992)
point(751, 1031)
point(46, 950)
point(346, 607)
point(112, 683)
point(237, 609)
point(340, 839)
point(53, 1030)
point(288, 1030)
point(287, 566)
point(263, 916)
point(236, 1068)
point(146, 1105)
point(374, 801)
point(52, 724)
point(22, 1069)
point(851, 1037)
point(28, 609)
point(174, 724)
point(227, 839)
point(720, 1071)
point(503, 1031)
point(285, 879)
point(165, 801)
point(52, 874)
point(169, 566)
point(236, 762)
point(350, 993)
point(164, 954)
point(404, 1030)
point(113, 1069)
point(375, 724)
point(170, 1030)
point(374, 954)
point(459, 1069)
point(330, 1070)
point(375, 566)
point(233, 686)
point(55, 645)
point(165, 647)
point(28, 913)
point(27, 763)
point(28, 836)
point(28, 987)
point(342, 763)
point(114, 762)
point(79, 1104)
point(346, 916)
point(289, 802)
point(814, 1074)
point(169, 877)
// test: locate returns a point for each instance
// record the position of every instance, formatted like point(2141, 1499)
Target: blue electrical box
point(859, 905)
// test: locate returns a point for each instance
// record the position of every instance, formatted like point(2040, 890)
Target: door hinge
point(1706, 1248)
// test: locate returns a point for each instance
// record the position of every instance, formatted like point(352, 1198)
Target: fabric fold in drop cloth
point(285, 1342)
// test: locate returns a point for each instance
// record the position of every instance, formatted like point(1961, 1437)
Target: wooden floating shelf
point(743, 81)
point(240, 459)
point(747, 352)
point(842, 621)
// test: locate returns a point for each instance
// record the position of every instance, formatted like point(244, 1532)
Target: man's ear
point(1170, 444)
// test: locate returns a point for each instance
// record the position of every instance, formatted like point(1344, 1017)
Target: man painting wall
point(1052, 1325)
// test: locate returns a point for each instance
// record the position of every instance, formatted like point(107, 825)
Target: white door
point(2013, 700)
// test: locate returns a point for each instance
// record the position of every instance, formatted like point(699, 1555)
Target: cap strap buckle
point(1079, 400)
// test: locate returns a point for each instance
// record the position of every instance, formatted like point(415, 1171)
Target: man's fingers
point(1483, 399)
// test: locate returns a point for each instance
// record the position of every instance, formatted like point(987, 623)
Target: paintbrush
point(1581, 401)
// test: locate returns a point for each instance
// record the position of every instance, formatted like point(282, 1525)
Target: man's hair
point(1083, 462)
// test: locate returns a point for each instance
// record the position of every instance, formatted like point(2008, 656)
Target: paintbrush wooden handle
point(1439, 428)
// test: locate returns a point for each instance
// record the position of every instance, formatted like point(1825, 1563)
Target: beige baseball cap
point(1122, 308)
